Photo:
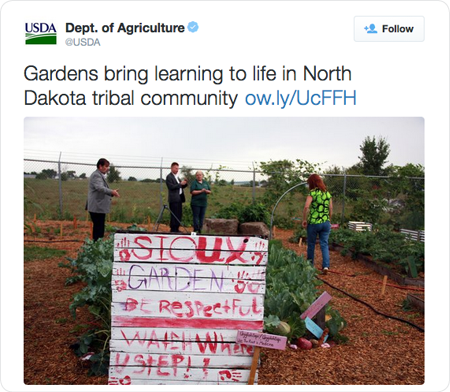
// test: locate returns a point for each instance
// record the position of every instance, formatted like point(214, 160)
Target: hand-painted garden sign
point(312, 327)
point(178, 302)
point(259, 340)
point(316, 306)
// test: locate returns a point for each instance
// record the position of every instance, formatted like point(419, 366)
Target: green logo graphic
point(40, 34)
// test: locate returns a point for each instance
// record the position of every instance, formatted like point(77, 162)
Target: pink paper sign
point(261, 340)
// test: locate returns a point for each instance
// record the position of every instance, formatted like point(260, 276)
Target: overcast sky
point(232, 142)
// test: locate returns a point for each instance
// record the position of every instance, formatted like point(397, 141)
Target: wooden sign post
point(178, 302)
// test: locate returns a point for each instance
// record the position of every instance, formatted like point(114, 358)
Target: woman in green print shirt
point(317, 219)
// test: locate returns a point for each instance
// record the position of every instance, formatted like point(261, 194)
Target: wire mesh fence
point(58, 190)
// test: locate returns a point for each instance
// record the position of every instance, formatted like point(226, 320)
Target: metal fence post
point(160, 185)
point(60, 188)
point(254, 184)
point(343, 199)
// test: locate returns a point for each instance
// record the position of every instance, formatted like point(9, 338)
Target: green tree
point(113, 174)
point(284, 174)
point(187, 174)
point(50, 173)
point(131, 178)
point(82, 176)
point(374, 155)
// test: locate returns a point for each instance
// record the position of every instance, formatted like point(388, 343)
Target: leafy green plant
point(383, 244)
point(257, 212)
point(93, 266)
point(290, 290)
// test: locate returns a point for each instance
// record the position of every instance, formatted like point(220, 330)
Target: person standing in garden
point(317, 219)
point(200, 190)
point(176, 197)
point(99, 198)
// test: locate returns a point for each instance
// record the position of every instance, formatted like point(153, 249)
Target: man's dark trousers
point(177, 210)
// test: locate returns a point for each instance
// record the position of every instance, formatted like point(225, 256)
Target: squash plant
point(291, 288)
point(93, 266)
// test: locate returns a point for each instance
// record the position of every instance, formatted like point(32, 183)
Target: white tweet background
point(391, 80)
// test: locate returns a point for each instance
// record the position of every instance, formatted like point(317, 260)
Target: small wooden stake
point(300, 242)
point(75, 222)
point(34, 220)
point(273, 232)
point(251, 377)
point(92, 230)
point(148, 223)
point(383, 287)
point(61, 229)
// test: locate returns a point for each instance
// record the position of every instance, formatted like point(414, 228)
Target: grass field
point(138, 201)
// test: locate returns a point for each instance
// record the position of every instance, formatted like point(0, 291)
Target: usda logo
point(40, 34)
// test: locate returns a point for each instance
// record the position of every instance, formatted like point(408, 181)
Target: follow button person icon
point(372, 29)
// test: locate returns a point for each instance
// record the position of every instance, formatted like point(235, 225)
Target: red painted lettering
point(176, 305)
point(255, 309)
point(131, 304)
point(212, 345)
point(123, 363)
point(139, 360)
point(182, 259)
point(176, 359)
point(236, 253)
point(136, 336)
point(215, 256)
point(163, 361)
point(191, 310)
point(148, 252)
point(164, 305)
point(207, 311)
point(206, 362)
point(198, 307)
point(215, 306)
point(186, 373)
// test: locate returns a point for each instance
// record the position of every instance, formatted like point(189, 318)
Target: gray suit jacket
point(99, 194)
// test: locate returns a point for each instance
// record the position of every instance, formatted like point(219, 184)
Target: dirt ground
point(380, 350)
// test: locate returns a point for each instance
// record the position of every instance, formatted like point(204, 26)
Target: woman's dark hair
point(102, 162)
point(315, 181)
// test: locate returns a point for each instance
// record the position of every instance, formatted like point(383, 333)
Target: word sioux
point(172, 249)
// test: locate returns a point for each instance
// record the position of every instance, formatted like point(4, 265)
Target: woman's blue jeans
point(323, 231)
point(198, 214)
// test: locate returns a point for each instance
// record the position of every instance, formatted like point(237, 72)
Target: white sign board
point(178, 302)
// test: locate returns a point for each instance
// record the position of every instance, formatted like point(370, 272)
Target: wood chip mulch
point(379, 350)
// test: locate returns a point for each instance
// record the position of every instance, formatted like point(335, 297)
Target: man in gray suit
point(176, 197)
point(99, 198)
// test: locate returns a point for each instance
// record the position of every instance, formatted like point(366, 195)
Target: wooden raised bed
point(385, 270)
point(416, 301)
